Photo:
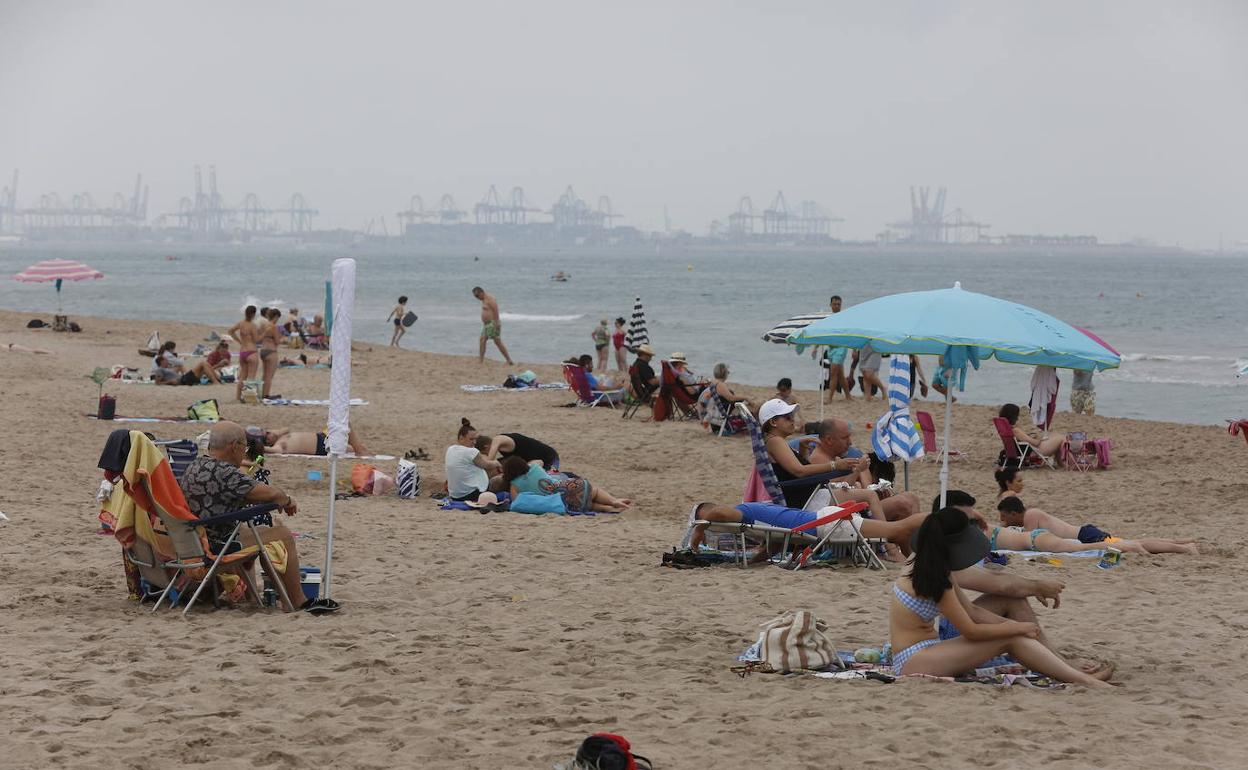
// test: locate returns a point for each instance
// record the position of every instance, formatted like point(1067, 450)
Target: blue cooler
point(310, 579)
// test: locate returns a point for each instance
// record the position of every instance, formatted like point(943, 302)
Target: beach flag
point(637, 334)
point(894, 434)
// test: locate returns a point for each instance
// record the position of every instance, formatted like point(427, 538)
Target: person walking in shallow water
point(397, 314)
point(491, 324)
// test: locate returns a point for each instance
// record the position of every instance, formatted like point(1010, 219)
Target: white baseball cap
point(776, 407)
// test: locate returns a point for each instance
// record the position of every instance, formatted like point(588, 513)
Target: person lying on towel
point(213, 485)
point(288, 442)
point(897, 532)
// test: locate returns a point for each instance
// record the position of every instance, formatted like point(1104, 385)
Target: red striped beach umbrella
point(58, 270)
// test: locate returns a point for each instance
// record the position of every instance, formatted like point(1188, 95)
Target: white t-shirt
point(462, 476)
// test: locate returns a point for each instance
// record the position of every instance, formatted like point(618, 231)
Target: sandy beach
point(502, 640)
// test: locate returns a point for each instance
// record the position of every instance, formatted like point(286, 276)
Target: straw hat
point(645, 350)
point(678, 358)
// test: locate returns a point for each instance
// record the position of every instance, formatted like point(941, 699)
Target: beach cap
point(776, 407)
point(645, 350)
point(483, 499)
point(677, 357)
point(966, 543)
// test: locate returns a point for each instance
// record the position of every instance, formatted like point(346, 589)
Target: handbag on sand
point(795, 641)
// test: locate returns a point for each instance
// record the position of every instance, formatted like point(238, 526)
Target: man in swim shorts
point(491, 324)
point(285, 441)
point(1083, 393)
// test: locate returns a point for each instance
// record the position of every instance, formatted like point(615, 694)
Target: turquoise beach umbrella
point(965, 328)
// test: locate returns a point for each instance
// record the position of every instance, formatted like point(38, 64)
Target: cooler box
point(310, 578)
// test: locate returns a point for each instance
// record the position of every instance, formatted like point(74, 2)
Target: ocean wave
point(1119, 375)
point(525, 317)
point(1175, 359)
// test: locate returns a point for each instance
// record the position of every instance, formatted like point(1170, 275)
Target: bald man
point(835, 439)
point(213, 485)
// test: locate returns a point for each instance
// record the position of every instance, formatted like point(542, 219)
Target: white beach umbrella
point(339, 395)
point(637, 334)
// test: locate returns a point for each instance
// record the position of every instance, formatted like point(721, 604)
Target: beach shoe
point(320, 606)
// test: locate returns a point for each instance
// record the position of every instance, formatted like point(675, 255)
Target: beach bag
point(795, 640)
point(606, 751)
point(107, 409)
point(408, 479)
point(528, 502)
point(367, 480)
point(251, 392)
point(206, 411)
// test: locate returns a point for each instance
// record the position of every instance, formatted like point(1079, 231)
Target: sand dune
point(501, 640)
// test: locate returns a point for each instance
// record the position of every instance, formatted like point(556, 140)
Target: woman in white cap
point(776, 419)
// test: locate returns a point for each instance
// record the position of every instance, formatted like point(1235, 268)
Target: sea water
point(1179, 319)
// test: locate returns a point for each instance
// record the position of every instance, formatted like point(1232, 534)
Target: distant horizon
point(1121, 119)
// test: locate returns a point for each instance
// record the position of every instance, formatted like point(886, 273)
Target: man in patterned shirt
point(213, 485)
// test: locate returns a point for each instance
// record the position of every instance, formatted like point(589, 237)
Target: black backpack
point(604, 751)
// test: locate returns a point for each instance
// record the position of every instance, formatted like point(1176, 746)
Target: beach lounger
point(798, 545)
point(932, 448)
point(1015, 453)
point(585, 396)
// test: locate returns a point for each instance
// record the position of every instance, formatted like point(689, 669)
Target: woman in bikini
point(945, 543)
point(267, 341)
point(1016, 515)
point(244, 332)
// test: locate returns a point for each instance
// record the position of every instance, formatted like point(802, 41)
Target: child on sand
point(397, 314)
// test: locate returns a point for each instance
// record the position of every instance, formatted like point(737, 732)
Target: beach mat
point(495, 388)
point(327, 457)
point(119, 418)
point(307, 402)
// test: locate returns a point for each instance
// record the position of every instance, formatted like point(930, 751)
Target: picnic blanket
point(493, 388)
point(456, 505)
point(307, 402)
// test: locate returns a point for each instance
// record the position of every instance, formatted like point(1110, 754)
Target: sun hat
point(776, 407)
point(678, 357)
point(966, 544)
point(645, 350)
point(483, 499)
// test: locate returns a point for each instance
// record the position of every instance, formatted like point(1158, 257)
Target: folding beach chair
point(181, 454)
point(931, 446)
point(1238, 426)
point(638, 395)
point(822, 497)
point(574, 375)
point(839, 534)
point(195, 561)
point(672, 400)
point(1018, 454)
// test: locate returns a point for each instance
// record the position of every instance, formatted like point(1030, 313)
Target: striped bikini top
point(926, 609)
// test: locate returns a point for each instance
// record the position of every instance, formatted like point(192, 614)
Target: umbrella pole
point(944, 460)
point(328, 575)
point(905, 473)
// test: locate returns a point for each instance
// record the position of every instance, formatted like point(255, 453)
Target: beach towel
point(1043, 403)
point(132, 522)
point(526, 389)
point(347, 456)
point(119, 418)
point(755, 489)
point(307, 402)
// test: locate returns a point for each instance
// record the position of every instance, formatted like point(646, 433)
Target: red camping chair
point(673, 401)
point(1238, 426)
point(931, 447)
point(1017, 453)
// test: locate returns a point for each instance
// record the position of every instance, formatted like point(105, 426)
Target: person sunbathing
point(834, 440)
point(896, 532)
point(1046, 445)
point(286, 441)
point(13, 347)
point(1015, 538)
point(947, 542)
point(776, 420)
point(577, 493)
point(599, 382)
point(1015, 513)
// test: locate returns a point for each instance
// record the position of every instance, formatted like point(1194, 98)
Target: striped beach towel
point(894, 434)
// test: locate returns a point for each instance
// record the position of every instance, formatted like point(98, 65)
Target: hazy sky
point(1120, 119)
